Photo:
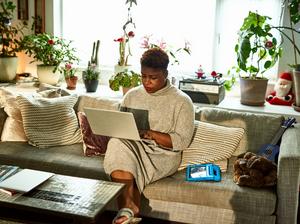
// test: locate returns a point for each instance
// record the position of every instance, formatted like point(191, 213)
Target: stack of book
point(16, 180)
point(7, 171)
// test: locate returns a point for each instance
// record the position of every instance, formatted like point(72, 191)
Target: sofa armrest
point(288, 176)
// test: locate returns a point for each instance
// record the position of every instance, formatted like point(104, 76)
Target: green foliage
point(294, 6)
point(257, 49)
point(94, 57)
point(125, 79)
point(49, 49)
point(91, 73)
point(10, 36)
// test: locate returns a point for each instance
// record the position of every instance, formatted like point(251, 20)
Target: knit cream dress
point(169, 110)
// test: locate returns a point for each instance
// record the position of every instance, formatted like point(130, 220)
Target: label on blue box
point(203, 172)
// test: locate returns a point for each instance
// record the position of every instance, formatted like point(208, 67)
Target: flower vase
point(121, 68)
point(71, 82)
point(46, 75)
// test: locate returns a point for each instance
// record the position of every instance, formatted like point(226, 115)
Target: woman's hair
point(155, 58)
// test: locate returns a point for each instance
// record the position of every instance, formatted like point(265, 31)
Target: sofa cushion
point(13, 129)
point(97, 102)
point(259, 128)
point(50, 121)
point(92, 144)
point(65, 160)
point(224, 194)
point(211, 143)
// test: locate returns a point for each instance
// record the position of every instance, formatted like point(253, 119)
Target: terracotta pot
point(71, 82)
point(253, 91)
point(125, 90)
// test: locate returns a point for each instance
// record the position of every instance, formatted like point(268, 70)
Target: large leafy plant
point(10, 35)
point(293, 11)
point(125, 79)
point(257, 49)
point(49, 49)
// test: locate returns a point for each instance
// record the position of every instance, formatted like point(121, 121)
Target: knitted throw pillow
point(92, 144)
point(211, 143)
point(50, 121)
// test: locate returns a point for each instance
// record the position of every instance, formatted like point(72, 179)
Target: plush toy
point(254, 171)
point(282, 94)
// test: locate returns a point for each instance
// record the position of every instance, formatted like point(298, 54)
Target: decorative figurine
point(200, 73)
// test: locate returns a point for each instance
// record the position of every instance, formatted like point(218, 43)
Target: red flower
point(121, 39)
point(269, 44)
point(213, 74)
point(131, 34)
point(51, 42)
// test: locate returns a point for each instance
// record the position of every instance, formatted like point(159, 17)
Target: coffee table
point(81, 200)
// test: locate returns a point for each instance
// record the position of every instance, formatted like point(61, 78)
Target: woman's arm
point(160, 138)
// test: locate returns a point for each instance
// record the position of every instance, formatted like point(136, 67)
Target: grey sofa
point(173, 198)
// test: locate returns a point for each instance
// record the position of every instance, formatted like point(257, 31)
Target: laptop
point(112, 123)
point(25, 180)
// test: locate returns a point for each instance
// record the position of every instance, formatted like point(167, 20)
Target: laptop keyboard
point(53, 196)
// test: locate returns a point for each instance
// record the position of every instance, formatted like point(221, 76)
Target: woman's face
point(153, 79)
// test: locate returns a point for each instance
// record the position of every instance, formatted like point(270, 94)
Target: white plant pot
point(46, 75)
point(121, 68)
point(8, 68)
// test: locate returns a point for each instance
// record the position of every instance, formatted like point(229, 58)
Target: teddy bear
point(282, 93)
point(254, 171)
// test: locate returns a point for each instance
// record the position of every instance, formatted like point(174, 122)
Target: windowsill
point(230, 102)
point(233, 103)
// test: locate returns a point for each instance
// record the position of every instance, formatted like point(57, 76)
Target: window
point(210, 26)
point(174, 21)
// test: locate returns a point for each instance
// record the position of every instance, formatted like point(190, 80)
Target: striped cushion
point(211, 143)
point(50, 121)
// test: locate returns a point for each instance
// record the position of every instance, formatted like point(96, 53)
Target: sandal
point(127, 212)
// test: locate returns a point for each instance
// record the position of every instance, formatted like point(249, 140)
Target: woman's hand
point(160, 138)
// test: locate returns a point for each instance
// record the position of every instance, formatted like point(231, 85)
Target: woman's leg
point(130, 197)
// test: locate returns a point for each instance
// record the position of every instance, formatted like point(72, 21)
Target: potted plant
point(69, 73)
point(257, 51)
point(10, 37)
point(50, 51)
point(124, 41)
point(91, 78)
point(289, 32)
point(125, 79)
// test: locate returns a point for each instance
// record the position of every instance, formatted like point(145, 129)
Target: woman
point(164, 115)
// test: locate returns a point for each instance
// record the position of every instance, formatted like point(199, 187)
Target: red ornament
point(269, 44)
point(214, 74)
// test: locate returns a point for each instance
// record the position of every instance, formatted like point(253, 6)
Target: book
point(25, 180)
point(7, 171)
point(9, 192)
